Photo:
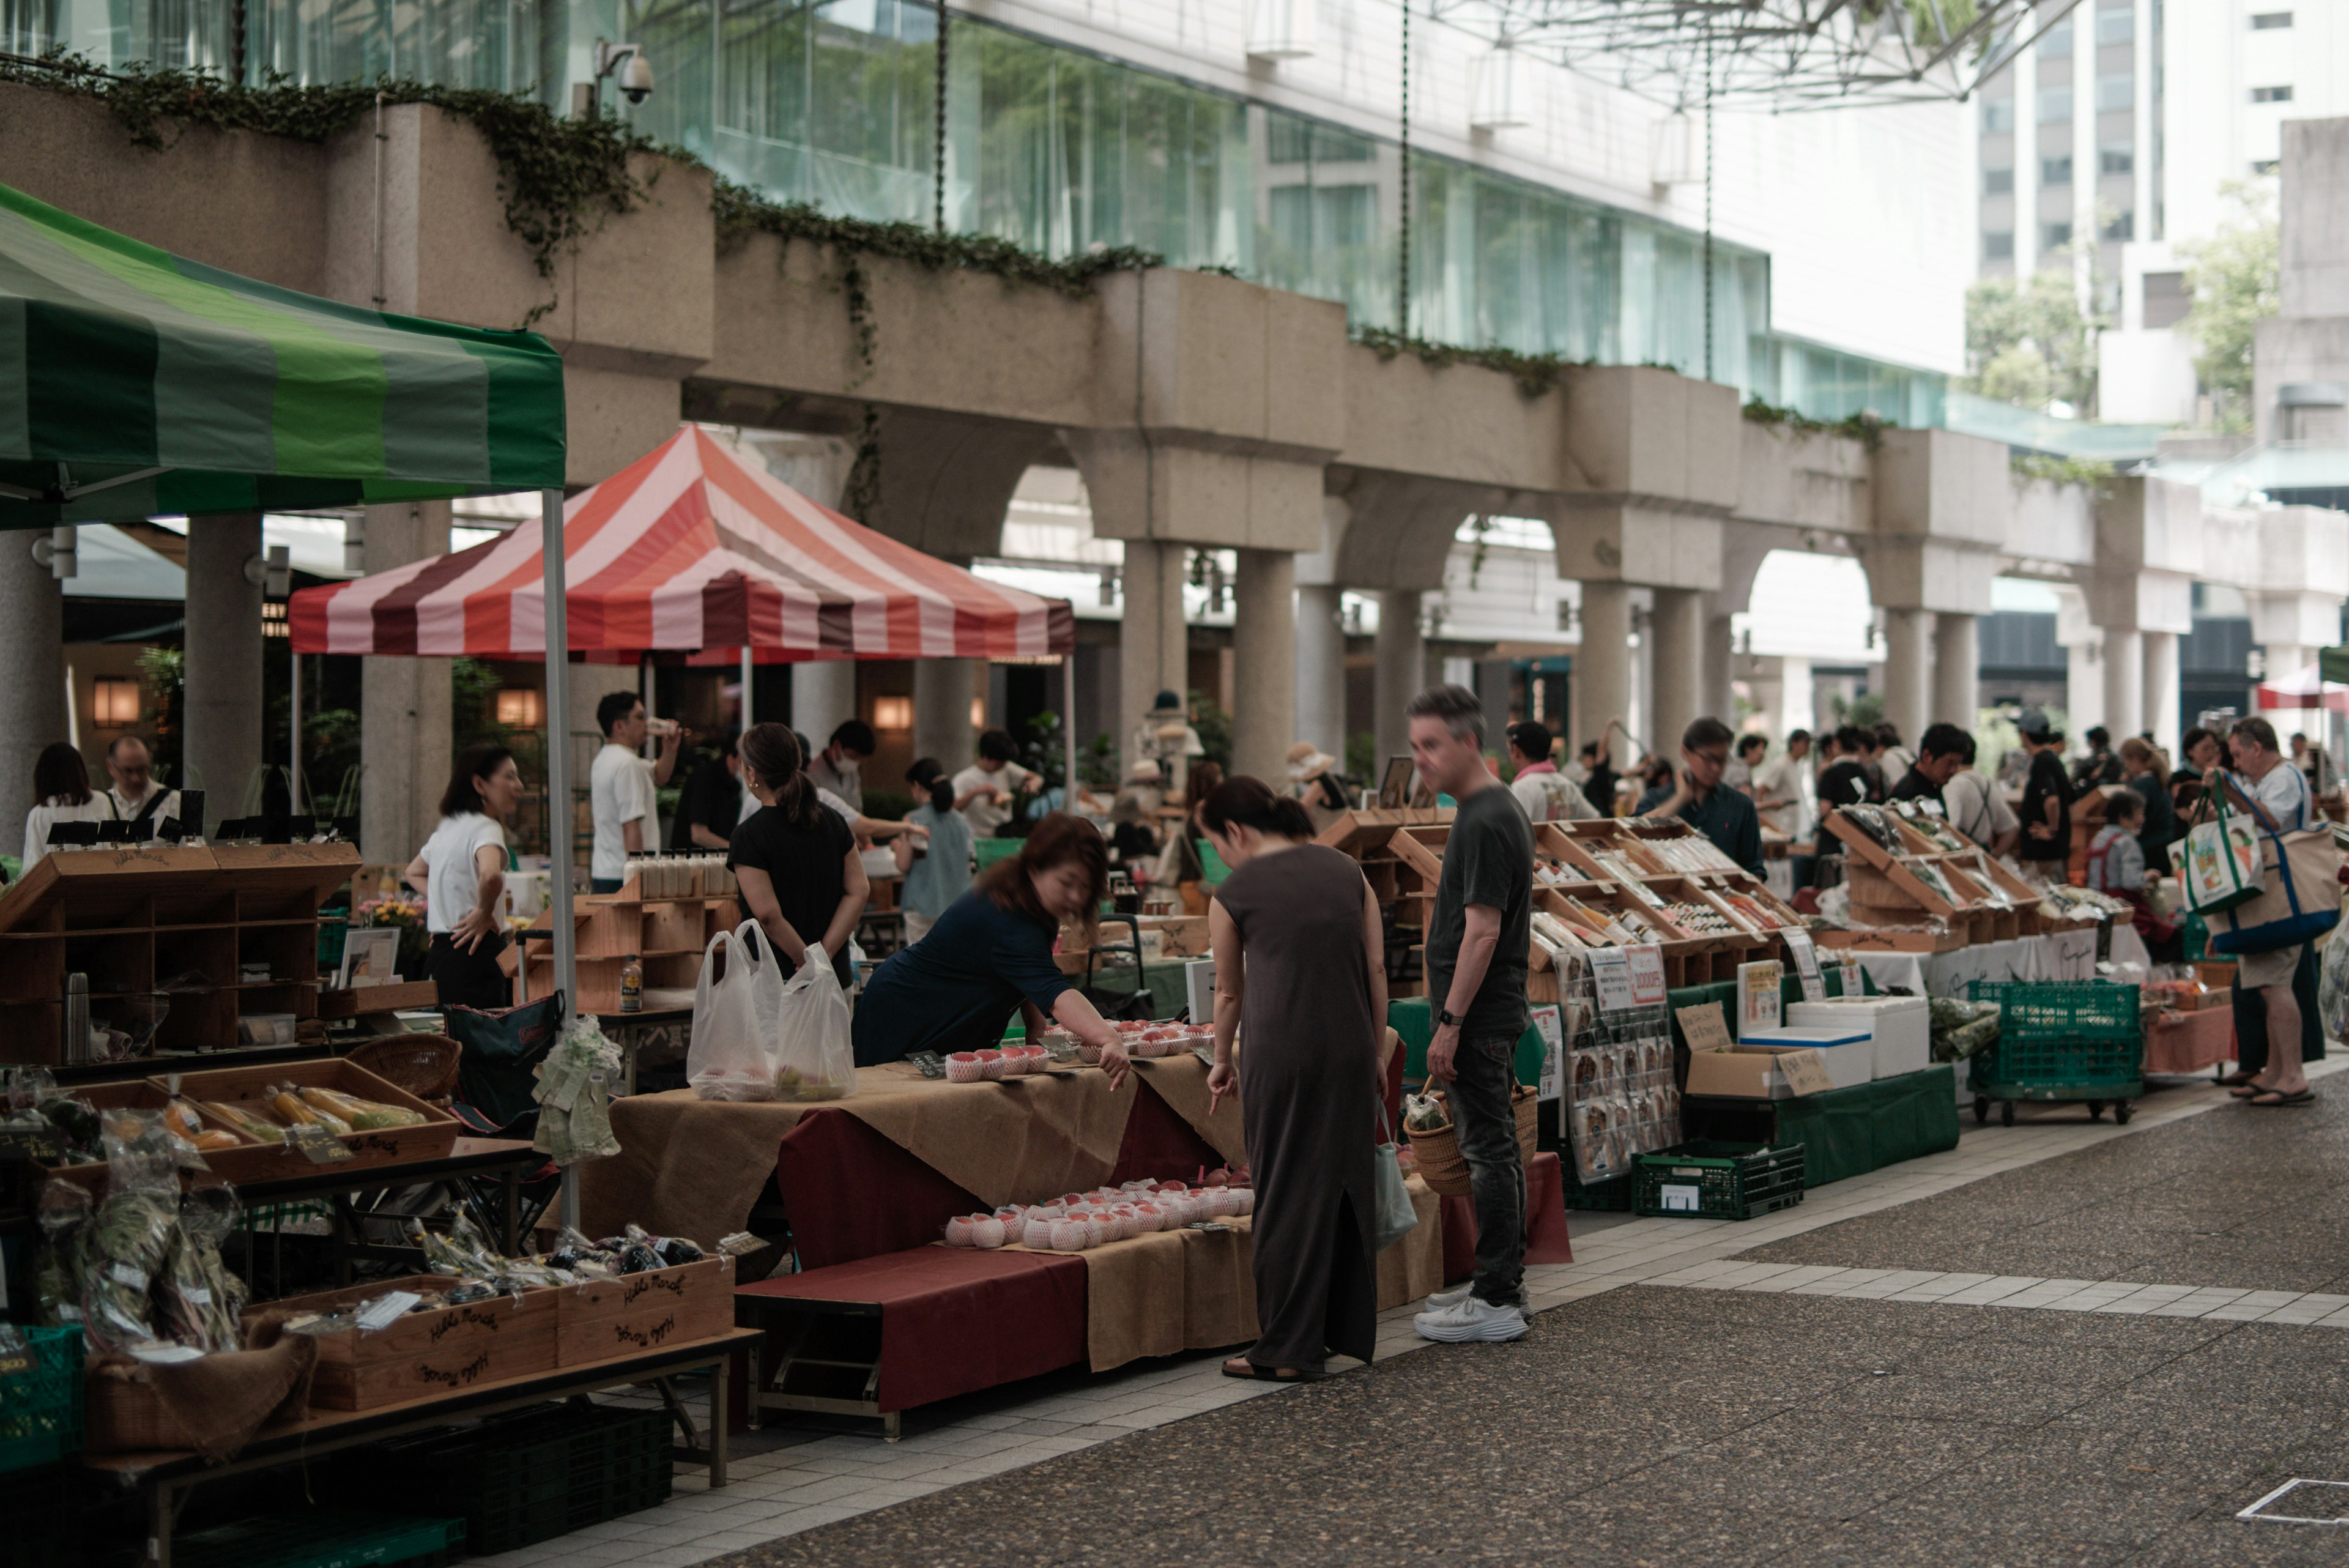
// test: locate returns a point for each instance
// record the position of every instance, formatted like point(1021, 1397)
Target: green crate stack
point(330, 1539)
point(538, 1475)
point(1732, 1180)
point(2061, 1036)
point(1613, 1194)
point(40, 1399)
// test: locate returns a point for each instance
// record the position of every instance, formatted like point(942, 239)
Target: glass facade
point(834, 102)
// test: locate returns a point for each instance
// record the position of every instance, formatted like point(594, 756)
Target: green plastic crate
point(1707, 1180)
point(2060, 1040)
point(1614, 1195)
point(40, 1401)
point(987, 851)
point(330, 1539)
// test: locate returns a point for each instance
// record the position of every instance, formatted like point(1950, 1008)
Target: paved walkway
point(1861, 1377)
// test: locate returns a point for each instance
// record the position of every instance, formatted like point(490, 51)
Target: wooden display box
point(637, 1313)
point(382, 1146)
point(359, 1001)
point(426, 1352)
point(138, 920)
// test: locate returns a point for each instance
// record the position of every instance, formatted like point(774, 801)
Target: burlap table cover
point(689, 1167)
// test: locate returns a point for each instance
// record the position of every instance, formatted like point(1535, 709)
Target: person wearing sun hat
point(1313, 780)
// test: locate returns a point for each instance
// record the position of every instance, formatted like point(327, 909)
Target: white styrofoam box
point(1903, 1027)
point(1850, 1053)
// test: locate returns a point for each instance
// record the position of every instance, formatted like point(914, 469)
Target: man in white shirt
point(620, 789)
point(2276, 794)
point(840, 766)
point(135, 795)
point(1786, 792)
point(987, 791)
point(1546, 794)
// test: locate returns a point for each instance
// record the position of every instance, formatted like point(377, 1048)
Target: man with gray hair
point(1478, 937)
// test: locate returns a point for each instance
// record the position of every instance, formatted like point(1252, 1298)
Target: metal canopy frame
point(1777, 55)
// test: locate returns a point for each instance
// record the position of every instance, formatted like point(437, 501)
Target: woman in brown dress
point(1300, 961)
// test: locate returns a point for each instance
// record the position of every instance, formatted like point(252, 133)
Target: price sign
point(1704, 1028)
point(1647, 961)
point(1553, 1071)
point(931, 1064)
point(1806, 965)
point(1759, 989)
point(1806, 1072)
point(44, 1144)
point(1611, 975)
point(319, 1145)
point(1854, 983)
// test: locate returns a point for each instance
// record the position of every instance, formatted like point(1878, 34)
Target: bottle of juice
point(632, 985)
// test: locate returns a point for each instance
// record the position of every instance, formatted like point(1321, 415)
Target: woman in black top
point(796, 859)
point(2141, 766)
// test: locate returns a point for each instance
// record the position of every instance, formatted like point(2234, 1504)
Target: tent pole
point(294, 736)
point(748, 671)
point(1068, 782)
point(558, 783)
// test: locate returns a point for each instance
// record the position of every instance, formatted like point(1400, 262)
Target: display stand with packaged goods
point(1917, 884)
point(664, 917)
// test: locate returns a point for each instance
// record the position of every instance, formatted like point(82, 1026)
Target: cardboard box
point(1848, 1052)
point(1747, 1072)
point(1903, 1027)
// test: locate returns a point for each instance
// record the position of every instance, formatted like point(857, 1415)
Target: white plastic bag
point(815, 1057)
point(736, 1007)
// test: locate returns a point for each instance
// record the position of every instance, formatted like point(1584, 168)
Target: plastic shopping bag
point(737, 1007)
point(1396, 1217)
point(815, 1060)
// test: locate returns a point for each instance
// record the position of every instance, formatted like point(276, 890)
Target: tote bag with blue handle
point(2299, 898)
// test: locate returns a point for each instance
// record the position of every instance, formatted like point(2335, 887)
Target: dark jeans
point(604, 884)
point(469, 979)
point(1487, 1130)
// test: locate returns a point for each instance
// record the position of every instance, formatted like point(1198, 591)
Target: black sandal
point(1268, 1374)
point(2270, 1099)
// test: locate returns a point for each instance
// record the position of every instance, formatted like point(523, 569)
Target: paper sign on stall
point(1704, 1028)
point(1806, 1074)
point(1610, 976)
point(1853, 984)
point(1759, 989)
point(1806, 965)
point(1553, 1071)
point(1647, 974)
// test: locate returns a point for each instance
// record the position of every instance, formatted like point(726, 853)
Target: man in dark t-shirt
point(2046, 796)
point(711, 800)
point(1479, 934)
point(1941, 751)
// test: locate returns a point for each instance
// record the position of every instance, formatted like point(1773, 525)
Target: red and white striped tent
point(693, 547)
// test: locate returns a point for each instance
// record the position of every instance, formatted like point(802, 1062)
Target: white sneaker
point(1472, 1319)
point(1443, 1301)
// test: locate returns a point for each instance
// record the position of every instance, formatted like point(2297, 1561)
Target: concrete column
point(32, 650)
point(942, 689)
point(1957, 660)
point(404, 704)
point(1154, 647)
point(1401, 673)
point(2161, 694)
point(2083, 686)
point(1798, 700)
point(1678, 666)
point(222, 745)
point(1602, 667)
point(824, 697)
point(2124, 682)
point(1321, 668)
point(1264, 652)
point(1715, 693)
point(1907, 672)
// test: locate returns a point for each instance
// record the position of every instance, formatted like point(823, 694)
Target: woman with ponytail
point(802, 878)
point(1300, 969)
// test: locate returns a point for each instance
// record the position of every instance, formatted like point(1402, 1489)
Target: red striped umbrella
point(692, 547)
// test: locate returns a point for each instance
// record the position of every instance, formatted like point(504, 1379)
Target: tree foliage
point(2234, 281)
point(2030, 343)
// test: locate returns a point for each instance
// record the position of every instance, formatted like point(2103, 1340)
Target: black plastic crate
point(539, 1474)
point(45, 1510)
point(1710, 1181)
point(327, 1538)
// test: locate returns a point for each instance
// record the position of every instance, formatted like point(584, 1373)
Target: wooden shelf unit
point(667, 936)
point(134, 918)
point(1888, 891)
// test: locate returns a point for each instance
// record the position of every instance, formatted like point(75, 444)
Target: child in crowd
point(938, 875)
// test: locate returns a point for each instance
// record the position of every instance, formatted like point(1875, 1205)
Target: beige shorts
point(2255, 970)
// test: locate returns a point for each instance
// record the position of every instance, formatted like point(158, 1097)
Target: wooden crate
point(383, 1146)
point(637, 1313)
point(366, 999)
point(667, 936)
point(426, 1352)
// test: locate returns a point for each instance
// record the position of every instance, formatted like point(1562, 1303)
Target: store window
point(2056, 171)
point(2271, 95)
point(1999, 246)
point(114, 701)
point(2054, 106)
point(2116, 157)
point(1998, 181)
point(2263, 21)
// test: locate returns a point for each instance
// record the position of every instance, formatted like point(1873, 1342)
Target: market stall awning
point(693, 547)
point(2309, 688)
point(134, 382)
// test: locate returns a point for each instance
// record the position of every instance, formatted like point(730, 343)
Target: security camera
point(635, 79)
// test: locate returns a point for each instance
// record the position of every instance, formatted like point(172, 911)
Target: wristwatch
point(1444, 1016)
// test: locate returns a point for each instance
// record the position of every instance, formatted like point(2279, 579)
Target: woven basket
point(1437, 1154)
point(423, 1064)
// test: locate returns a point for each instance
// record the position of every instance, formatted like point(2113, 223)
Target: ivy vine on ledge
point(2030, 465)
point(1534, 373)
point(1864, 427)
point(559, 178)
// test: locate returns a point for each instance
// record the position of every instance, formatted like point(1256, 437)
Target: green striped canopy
point(134, 382)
